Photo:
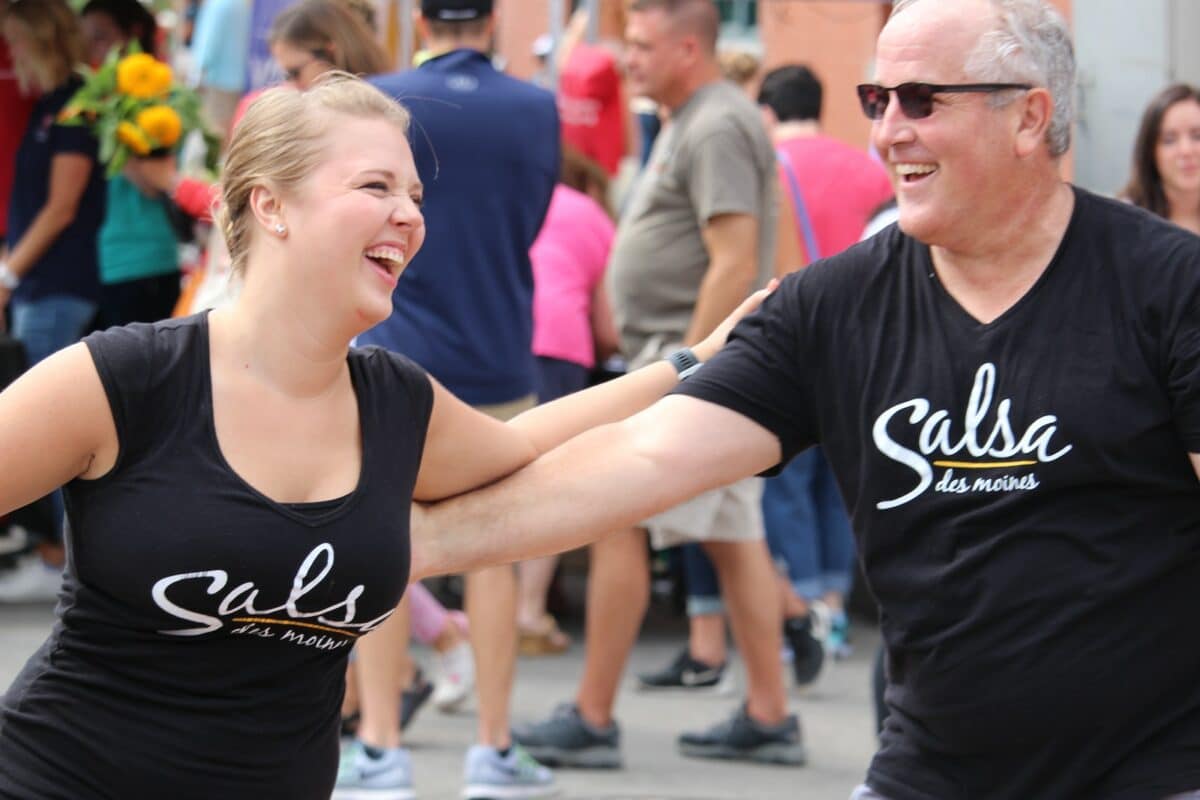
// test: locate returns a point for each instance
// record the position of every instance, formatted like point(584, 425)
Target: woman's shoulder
point(144, 355)
point(168, 335)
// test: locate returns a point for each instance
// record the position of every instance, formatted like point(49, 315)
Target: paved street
point(836, 717)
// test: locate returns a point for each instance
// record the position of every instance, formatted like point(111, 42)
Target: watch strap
point(685, 362)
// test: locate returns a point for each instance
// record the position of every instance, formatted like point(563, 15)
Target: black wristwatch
point(685, 362)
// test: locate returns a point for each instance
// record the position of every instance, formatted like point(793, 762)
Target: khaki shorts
point(730, 514)
point(506, 411)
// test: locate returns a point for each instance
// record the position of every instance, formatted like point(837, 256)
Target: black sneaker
point(411, 700)
point(415, 696)
point(565, 739)
point(808, 653)
point(746, 739)
point(684, 672)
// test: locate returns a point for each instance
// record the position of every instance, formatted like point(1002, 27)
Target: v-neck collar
point(954, 311)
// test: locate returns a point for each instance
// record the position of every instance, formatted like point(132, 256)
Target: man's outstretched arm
point(603, 480)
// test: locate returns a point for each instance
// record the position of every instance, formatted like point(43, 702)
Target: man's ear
point(1036, 114)
point(690, 46)
point(421, 26)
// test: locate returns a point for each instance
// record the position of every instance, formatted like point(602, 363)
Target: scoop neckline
point(293, 511)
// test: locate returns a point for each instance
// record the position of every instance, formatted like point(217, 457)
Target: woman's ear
point(267, 207)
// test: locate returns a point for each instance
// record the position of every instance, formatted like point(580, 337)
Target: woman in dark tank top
point(239, 483)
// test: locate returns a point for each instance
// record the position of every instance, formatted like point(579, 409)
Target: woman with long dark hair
point(1166, 157)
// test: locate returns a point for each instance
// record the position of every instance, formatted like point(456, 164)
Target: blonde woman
point(240, 481)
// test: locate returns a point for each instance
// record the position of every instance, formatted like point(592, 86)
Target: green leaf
point(118, 162)
point(107, 148)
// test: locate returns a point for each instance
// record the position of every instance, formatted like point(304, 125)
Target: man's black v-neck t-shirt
point(1022, 497)
point(204, 628)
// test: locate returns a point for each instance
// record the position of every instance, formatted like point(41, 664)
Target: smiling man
point(1007, 386)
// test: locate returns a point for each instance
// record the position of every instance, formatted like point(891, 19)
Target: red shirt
point(841, 186)
point(16, 114)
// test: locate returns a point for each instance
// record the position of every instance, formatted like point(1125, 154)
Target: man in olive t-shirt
point(697, 237)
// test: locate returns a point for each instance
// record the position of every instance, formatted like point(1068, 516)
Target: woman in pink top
point(572, 325)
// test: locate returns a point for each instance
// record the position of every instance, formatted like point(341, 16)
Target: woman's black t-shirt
point(1024, 505)
point(70, 264)
point(204, 629)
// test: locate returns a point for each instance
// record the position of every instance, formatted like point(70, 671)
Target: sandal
point(542, 639)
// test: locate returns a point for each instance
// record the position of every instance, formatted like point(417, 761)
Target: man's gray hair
point(1030, 44)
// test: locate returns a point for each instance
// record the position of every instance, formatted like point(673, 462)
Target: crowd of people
point(939, 316)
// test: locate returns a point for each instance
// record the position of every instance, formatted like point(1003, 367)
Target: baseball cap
point(455, 10)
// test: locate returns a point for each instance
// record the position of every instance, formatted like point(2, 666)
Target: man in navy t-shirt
point(487, 149)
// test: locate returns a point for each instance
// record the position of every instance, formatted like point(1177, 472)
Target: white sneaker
point(13, 540)
point(30, 581)
point(454, 677)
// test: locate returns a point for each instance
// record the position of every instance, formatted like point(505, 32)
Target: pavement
point(836, 716)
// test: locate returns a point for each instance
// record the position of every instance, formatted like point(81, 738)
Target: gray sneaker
point(491, 776)
point(742, 738)
point(565, 739)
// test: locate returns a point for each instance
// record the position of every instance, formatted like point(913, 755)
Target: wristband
point(8, 278)
point(685, 362)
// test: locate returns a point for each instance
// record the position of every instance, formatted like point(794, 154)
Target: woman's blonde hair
point(739, 66)
point(55, 43)
point(331, 31)
point(280, 141)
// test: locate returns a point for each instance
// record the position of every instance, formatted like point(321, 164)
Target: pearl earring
point(280, 228)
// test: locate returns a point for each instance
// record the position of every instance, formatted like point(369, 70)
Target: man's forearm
point(604, 480)
point(564, 500)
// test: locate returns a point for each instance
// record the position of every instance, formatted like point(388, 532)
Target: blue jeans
point(808, 532)
point(49, 324)
point(808, 529)
point(44, 327)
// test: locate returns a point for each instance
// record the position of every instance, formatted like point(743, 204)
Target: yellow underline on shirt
point(984, 464)
point(294, 624)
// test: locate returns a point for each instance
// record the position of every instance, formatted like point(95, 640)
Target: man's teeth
point(390, 254)
point(905, 170)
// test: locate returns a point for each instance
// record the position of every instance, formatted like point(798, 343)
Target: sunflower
point(161, 124)
point(132, 137)
point(142, 76)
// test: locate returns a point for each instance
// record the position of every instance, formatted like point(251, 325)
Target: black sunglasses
point(916, 99)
